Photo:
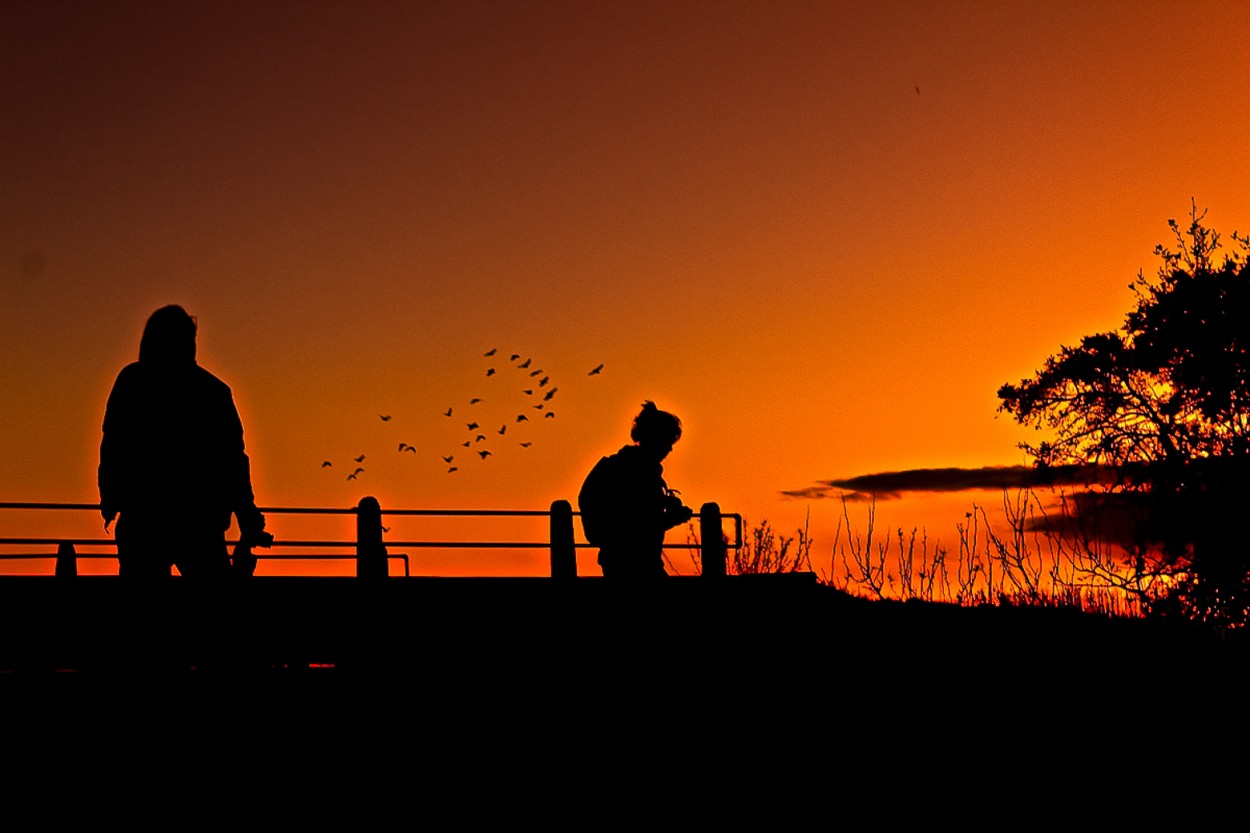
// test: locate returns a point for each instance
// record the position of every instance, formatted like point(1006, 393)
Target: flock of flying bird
point(536, 384)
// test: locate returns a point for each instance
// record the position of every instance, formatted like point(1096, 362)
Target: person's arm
point(110, 474)
point(251, 520)
point(673, 511)
point(243, 501)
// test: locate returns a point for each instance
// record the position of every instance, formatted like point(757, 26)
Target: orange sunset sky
point(822, 233)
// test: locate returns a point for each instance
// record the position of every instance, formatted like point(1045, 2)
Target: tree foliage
point(1164, 401)
point(1171, 385)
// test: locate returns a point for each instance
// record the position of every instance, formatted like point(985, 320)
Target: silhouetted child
point(626, 507)
point(172, 465)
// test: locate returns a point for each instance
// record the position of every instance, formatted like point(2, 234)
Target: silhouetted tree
point(1164, 401)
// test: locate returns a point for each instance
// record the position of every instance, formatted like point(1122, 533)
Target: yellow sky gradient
point(821, 233)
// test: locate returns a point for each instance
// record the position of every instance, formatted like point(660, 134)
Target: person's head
point(655, 430)
point(169, 337)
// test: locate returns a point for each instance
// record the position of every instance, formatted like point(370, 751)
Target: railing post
point(371, 562)
point(712, 535)
point(66, 560)
point(563, 553)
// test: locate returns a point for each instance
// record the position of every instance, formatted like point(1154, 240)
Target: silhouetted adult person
point(172, 465)
point(625, 505)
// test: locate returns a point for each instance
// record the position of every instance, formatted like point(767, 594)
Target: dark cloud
point(812, 492)
point(892, 484)
point(868, 497)
point(823, 490)
point(1091, 504)
point(1109, 517)
point(1071, 507)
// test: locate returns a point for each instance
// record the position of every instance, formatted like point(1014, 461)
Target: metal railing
point(372, 551)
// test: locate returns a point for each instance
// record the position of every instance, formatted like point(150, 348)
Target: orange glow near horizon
point(822, 234)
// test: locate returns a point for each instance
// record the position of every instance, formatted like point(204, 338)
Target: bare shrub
point(762, 550)
point(1029, 559)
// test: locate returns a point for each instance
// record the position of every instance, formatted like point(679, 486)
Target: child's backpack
point(595, 501)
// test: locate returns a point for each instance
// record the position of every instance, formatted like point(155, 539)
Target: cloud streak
point(894, 484)
point(1084, 513)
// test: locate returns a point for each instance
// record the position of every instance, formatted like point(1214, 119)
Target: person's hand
point(259, 538)
point(676, 513)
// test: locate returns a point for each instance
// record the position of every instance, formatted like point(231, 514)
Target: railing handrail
point(371, 548)
point(298, 510)
point(305, 510)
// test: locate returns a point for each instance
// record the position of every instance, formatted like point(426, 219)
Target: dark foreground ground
point(534, 634)
point(771, 683)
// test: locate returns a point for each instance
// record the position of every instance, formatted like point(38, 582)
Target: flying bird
point(550, 394)
point(528, 391)
point(503, 428)
point(490, 352)
point(514, 357)
point(525, 363)
point(490, 371)
point(484, 454)
point(596, 370)
point(526, 444)
point(384, 417)
point(522, 418)
point(411, 448)
point(549, 414)
point(542, 383)
point(326, 464)
point(357, 471)
point(474, 400)
point(449, 458)
point(917, 89)
point(466, 443)
point(479, 438)
point(447, 412)
point(360, 459)
point(472, 425)
point(351, 477)
point(450, 470)
point(402, 446)
point(536, 372)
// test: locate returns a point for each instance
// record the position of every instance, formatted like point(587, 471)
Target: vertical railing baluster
point(563, 551)
point(371, 561)
point(712, 537)
point(66, 560)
